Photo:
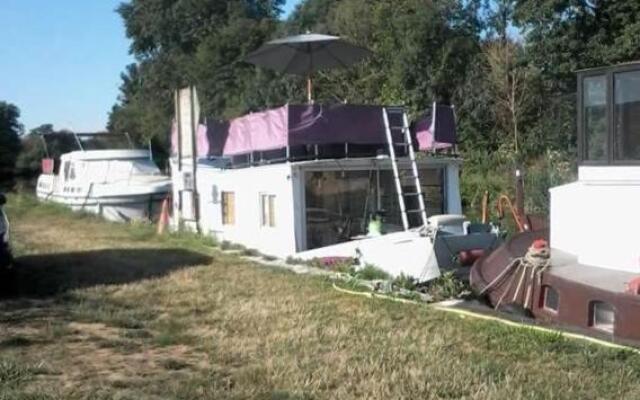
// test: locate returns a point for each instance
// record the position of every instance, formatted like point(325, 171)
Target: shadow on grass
point(49, 274)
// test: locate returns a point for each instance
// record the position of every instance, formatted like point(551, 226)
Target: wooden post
point(194, 157)
point(520, 199)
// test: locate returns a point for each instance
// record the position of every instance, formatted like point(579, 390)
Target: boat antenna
point(44, 144)
point(129, 139)
point(75, 135)
point(150, 150)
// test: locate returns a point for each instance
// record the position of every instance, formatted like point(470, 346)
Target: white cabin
point(326, 181)
point(596, 218)
point(287, 208)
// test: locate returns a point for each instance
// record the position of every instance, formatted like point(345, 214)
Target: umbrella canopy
point(305, 54)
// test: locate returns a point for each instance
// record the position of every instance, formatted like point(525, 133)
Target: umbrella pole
point(309, 90)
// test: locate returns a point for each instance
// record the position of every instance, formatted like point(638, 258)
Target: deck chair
point(436, 130)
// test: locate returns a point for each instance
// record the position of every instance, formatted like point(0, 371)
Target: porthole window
point(601, 316)
point(550, 299)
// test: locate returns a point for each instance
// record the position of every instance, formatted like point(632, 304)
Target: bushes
point(495, 173)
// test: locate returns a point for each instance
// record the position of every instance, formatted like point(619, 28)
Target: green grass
point(113, 311)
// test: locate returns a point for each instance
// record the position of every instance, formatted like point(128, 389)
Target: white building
point(286, 208)
point(596, 218)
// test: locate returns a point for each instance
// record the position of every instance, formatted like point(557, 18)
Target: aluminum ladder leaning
point(413, 170)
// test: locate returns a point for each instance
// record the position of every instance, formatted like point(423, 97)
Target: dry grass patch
point(219, 327)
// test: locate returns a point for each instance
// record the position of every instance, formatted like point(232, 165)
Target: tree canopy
point(507, 65)
point(10, 130)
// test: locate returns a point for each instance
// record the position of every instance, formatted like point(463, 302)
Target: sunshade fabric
point(296, 125)
point(305, 54)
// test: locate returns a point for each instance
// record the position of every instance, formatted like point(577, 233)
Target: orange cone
point(164, 216)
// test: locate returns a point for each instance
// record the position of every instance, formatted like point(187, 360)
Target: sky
point(60, 61)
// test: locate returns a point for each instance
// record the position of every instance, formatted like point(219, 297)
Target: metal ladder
point(413, 171)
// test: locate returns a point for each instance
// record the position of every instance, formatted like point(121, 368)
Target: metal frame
point(609, 74)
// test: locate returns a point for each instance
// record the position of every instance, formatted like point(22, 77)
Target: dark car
point(5, 251)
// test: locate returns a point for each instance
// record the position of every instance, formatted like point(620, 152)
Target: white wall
point(248, 184)
point(286, 182)
point(598, 218)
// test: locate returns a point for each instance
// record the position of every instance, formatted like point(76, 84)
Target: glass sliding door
point(339, 204)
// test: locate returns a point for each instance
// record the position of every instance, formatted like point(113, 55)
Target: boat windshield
point(126, 169)
point(109, 171)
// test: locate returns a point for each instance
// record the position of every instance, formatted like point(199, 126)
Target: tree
point(10, 130)
point(191, 42)
point(421, 49)
point(510, 83)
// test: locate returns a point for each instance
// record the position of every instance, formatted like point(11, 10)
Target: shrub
point(370, 273)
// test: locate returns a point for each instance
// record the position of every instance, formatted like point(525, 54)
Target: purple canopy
point(295, 125)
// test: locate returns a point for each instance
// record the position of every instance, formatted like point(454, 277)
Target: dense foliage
point(10, 129)
point(507, 65)
point(42, 141)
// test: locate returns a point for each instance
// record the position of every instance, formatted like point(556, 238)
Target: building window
point(627, 115)
point(550, 299)
point(594, 105)
point(601, 316)
point(268, 205)
point(228, 208)
point(66, 170)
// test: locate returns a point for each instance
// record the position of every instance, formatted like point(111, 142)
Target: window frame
point(609, 74)
point(545, 296)
point(267, 220)
point(228, 214)
point(593, 316)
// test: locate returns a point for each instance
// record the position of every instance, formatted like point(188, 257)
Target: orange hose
point(485, 207)
point(505, 200)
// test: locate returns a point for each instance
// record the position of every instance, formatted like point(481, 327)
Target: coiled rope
point(529, 268)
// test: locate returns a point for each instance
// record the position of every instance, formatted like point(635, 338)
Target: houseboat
point(324, 181)
point(118, 184)
point(592, 282)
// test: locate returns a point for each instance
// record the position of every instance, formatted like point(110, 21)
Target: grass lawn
point(99, 311)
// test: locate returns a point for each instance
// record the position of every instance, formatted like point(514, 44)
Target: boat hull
point(578, 290)
point(115, 208)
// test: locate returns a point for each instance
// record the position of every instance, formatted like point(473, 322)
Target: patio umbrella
point(305, 54)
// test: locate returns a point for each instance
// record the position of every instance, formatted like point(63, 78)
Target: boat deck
point(566, 266)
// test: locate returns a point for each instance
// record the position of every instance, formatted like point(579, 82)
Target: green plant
point(405, 282)
point(251, 253)
point(446, 286)
point(370, 272)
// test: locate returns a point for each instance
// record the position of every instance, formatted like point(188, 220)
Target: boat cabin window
point(550, 299)
point(267, 207)
point(609, 115)
point(228, 208)
point(601, 316)
point(118, 170)
point(69, 171)
point(627, 115)
point(595, 117)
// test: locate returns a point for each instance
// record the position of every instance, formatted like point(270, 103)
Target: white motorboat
point(120, 185)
